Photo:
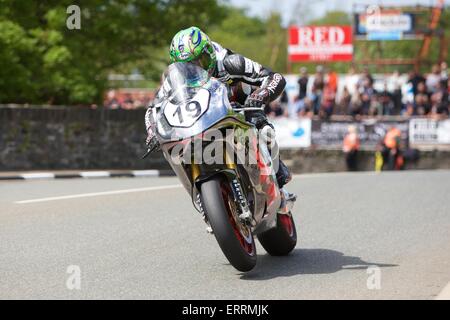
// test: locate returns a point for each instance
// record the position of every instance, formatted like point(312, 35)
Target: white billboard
point(292, 133)
point(428, 131)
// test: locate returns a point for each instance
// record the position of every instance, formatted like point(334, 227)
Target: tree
point(240, 33)
point(42, 61)
point(262, 40)
point(333, 18)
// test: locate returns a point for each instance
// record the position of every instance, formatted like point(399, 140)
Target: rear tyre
point(235, 239)
point(282, 239)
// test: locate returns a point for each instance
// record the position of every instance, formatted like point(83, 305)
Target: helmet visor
point(204, 61)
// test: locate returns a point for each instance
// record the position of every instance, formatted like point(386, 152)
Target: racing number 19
point(189, 108)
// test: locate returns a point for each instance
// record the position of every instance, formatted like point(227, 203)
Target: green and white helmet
point(193, 45)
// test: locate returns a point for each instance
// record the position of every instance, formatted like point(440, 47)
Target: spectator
point(274, 109)
point(296, 106)
point(414, 78)
point(448, 86)
point(284, 101)
point(367, 91)
point(351, 81)
point(128, 102)
point(351, 147)
point(365, 77)
point(410, 110)
point(343, 106)
point(302, 83)
point(439, 100)
point(379, 157)
point(317, 89)
point(422, 100)
point(329, 94)
point(396, 93)
point(422, 105)
point(444, 71)
point(111, 101)
point(433, 79)
point(332, 80)
point(356, 105)
point(392, 152)
point(444, 89)
point(141, 101)
point(376, 108)
point(306, 109)
point(386, 100)
point(327, 104)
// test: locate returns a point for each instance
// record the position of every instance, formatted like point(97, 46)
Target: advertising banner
point(292, 133)
point(384, 25)
point(320, 43)
point(427, 131)
point(331, 134)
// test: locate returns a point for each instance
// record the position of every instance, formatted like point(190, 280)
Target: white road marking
point(94, 174)
point(146, 173)
point(97, 194)
point(38, 175)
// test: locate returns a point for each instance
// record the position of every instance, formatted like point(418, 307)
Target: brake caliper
point(245, 216)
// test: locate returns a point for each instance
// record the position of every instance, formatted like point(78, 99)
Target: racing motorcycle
point(236, 194)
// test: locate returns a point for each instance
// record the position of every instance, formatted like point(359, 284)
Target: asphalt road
point(151, 243)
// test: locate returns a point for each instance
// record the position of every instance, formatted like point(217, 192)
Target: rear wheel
point(282, 239)
point(234, 238)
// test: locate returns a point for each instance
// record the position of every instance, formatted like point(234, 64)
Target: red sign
point(320, 43)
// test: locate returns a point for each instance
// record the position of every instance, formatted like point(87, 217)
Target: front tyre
point(282, 239)
point(234, 238)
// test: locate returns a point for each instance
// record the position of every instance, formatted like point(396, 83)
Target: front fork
point(245, 215)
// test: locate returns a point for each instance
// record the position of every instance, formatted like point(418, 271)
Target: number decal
point(186, 114)
point(197, 108)
point(178, 112)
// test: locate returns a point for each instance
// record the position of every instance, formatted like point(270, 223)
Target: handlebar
point(239, 107)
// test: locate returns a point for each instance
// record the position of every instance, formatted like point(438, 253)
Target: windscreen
point(193, 102)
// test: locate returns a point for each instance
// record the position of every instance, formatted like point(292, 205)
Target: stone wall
point(304, 161)
point(73, 138)
point(39, 138)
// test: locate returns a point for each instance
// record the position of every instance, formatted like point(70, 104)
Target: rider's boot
point(283, 175)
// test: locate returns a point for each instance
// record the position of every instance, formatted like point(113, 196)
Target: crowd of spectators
point(128, 99)
point(361, 94)
point(326, 93)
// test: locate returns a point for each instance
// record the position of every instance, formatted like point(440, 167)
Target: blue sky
point(316, 8)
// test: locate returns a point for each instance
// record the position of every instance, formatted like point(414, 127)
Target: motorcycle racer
point(252, 84)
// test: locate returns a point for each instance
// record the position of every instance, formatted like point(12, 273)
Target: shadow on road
point(306, 261)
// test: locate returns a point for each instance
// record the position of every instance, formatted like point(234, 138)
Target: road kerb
point(85, 174)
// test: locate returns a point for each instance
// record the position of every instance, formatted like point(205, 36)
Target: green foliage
point(239, 33)
point(42, 61)
point(261, 40)
point(333, 18)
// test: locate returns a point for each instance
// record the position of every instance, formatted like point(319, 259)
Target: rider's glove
point(258, 99)
point(152, 142)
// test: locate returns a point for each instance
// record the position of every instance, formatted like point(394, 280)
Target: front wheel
point(282, 239)
point(234, 238)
